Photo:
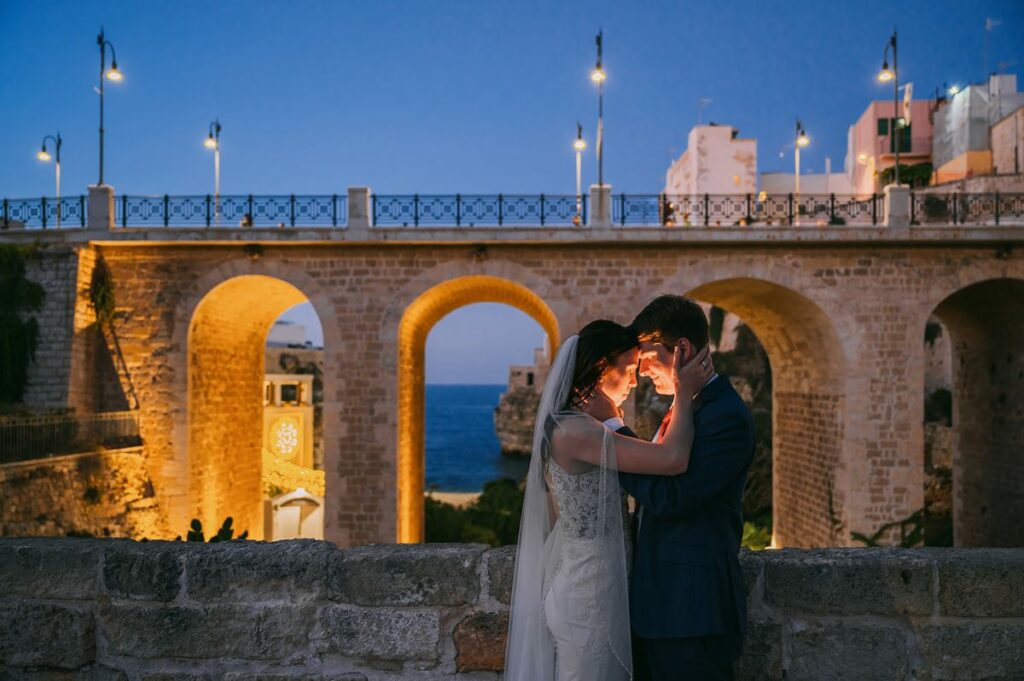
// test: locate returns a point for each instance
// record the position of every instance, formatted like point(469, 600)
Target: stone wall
point(49, 378)
point(103, 494)
point(164, 611)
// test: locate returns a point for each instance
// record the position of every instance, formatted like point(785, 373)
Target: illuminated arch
point(807, 362)
point(246, 296)
point(417, 320)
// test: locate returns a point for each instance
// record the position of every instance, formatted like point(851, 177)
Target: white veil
point(605, 636)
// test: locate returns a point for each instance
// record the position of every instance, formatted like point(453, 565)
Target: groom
point(687, 596)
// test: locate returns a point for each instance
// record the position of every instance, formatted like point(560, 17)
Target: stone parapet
point(118, 609)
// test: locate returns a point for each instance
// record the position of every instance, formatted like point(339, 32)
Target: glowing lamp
point(803, 140)
point(43, 154)
point(113, 74)
point(598, 75)
point(579, 145)
point(886, 74)
point(210, 143)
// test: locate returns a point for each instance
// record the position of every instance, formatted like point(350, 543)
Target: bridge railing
point(245, 210)
point(745, 210)
point(517, 210)
point(958, 208)
point(478, 210)
point(45, 212)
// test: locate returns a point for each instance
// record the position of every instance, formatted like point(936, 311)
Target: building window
point(883, 126)
point(904, 137)
point(529, 378)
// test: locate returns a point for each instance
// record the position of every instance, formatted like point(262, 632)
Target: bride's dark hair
point(600, 344)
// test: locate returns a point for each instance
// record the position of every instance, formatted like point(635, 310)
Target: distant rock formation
point(517, 408)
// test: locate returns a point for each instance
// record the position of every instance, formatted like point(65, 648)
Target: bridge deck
point(690, 236)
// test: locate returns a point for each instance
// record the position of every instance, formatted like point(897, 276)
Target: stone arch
point(807, 361)
point(219, 335)
point(985, 321)
point(416, 321)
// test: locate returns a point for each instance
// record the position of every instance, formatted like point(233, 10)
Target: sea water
point(461, 448)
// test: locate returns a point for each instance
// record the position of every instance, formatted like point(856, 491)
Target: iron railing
point(744, 210)
point(249, 210)
point(42, 212)
point(24, 438)
point(478, 210)
point(519, 210)
point(958, 208)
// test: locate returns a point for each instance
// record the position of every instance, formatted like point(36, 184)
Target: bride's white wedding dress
point(574, 593)
point(569, 618)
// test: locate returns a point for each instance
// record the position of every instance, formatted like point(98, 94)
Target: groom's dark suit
point(687, 596)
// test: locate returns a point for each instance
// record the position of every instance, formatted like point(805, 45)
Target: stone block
point(480, 642)
point(252, 571)
point(143, 570)
point(850, 581)
point(501, 565)
point(92, 672)
point(279, 632)
point(380, 633)
point(981, 582)
point(59, 568)
point(404, 575)
point(45, 634)
point(179, 676)
point(762, 652)
point(272, 676)
point(993, 651)
point(841, 651)
point(752, 563)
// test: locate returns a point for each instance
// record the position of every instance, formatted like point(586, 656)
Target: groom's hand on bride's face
point(600, 406)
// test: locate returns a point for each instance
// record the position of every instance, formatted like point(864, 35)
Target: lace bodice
point(578, 498)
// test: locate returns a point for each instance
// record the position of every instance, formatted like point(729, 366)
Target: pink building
point(871, 146)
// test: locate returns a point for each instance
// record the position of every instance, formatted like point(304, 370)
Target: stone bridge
point(841, 312)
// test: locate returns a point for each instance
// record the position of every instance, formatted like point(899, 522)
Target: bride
point(569, 617)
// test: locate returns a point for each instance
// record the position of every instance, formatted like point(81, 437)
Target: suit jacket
point(687, 579)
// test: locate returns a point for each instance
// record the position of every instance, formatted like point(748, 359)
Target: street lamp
point(44, 155)
point(802, 140)
point(598, 76)
point(112, 74)
point(213, 142)
point(884, 76)
point(579, 145)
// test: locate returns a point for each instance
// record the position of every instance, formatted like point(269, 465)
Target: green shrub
point(493, 518)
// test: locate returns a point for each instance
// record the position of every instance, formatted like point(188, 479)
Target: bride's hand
point(691, 376)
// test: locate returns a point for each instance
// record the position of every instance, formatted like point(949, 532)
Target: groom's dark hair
point(668, 318)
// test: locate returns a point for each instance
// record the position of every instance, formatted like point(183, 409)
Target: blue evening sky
point(455, 96)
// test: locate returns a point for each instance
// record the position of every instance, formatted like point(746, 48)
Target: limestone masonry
point(118, 610)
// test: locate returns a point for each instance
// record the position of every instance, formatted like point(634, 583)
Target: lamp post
point(579, 145)
point(44, 155)
point(114, 75)
point(213, 142)
point(884, 76)
point(802, 140)
point(598, 76)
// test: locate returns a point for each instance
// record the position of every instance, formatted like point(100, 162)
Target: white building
point(286, 334)
point(716, 161)
point(810, 183)
point(962, 144)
